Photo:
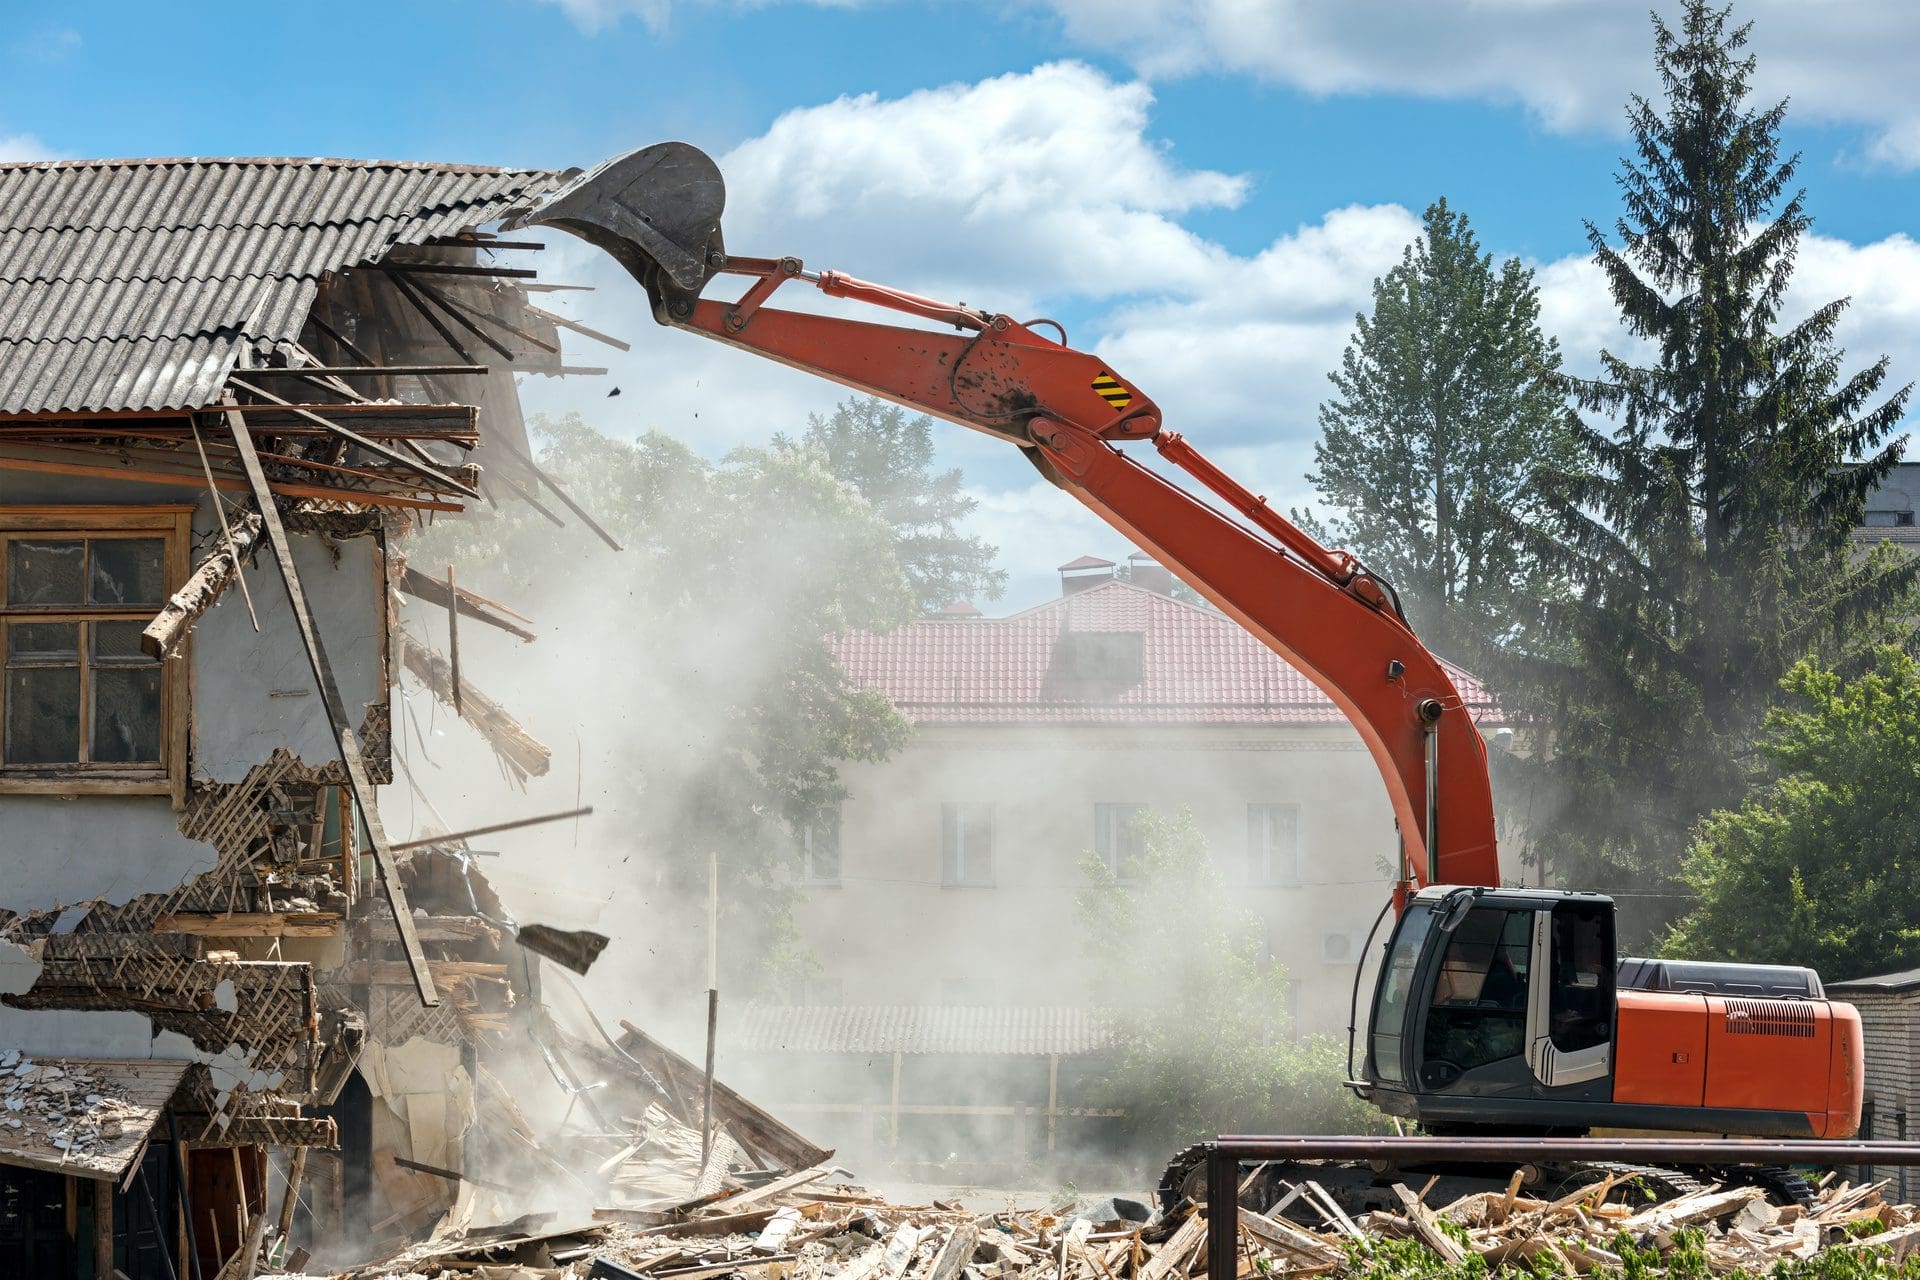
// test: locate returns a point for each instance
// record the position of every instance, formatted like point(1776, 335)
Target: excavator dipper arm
point(658, 212)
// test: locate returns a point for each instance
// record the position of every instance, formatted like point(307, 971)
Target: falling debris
point(577, 949)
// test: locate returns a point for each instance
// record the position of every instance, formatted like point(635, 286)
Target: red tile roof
point(1194, 666)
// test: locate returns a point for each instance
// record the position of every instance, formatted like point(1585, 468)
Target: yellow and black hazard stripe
point(1109, 388)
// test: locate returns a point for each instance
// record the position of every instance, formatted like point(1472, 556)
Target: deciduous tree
point(1819, 867)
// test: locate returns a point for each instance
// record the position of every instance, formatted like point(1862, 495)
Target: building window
point(966, 844)
point(820, 848)
point(1273, 845)
point(1116, 837)
point(83, 709)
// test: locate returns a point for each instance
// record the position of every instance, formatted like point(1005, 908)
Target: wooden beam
point(363, 371)
point(558, 492)
point(437, 478)
point(364, 794)
point(434, 591)
point(577, 327)
point(252, 924)
point(220, 570)
point(25, 458)
point(455, 269)
point(419, 303)
point(515, 825)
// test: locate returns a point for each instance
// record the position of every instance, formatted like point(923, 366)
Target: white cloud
point(1021, 188)
point(1572, 63)
point(595, 16)
point(16, 147)
point(989, 192)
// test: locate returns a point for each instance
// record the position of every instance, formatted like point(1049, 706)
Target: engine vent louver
point(1770, 1018)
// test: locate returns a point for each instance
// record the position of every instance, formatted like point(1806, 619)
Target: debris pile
point(64, 1105)
point(801, 1226)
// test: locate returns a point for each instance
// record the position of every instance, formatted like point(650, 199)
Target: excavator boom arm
point(658, 212)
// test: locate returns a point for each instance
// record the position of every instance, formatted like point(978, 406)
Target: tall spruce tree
point(1439, 420)
point(1706, 530)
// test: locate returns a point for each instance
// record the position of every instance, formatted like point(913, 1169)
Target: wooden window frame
point(171, 522)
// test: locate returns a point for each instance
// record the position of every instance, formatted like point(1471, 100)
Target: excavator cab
point(1504, 997)
point(1503, 1010)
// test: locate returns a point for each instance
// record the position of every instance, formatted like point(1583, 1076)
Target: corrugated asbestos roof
point(131, 284)
point(889, 1029)
point(1196, 666)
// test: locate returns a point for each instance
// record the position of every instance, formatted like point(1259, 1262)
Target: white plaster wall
point(891, 933)
point(253, 693)
point(55, 851)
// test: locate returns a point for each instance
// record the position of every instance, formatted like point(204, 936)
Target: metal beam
point(364, 794)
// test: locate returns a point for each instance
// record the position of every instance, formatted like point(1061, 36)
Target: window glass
point(126, 571)
point(1479, 1007)
point(966, 844)
point(1273, 844)
point(1117, 839)
point(43, 715)
point(45, 573)
point(1580, 1014)
point(126, 714)
point(1390, 1003)
point(820, 848)
point(37, 642)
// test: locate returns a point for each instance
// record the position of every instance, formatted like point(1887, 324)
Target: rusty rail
point(1227, 1153)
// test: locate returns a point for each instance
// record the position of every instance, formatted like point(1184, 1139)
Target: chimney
point(961, 609)
point(1144, 571)
point(1088, 571)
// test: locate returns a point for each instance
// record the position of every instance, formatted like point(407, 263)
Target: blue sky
point(1202, 189)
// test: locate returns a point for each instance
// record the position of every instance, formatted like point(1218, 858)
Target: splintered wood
point(798, 1226)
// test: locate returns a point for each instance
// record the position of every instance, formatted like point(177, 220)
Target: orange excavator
point(1496, 1010)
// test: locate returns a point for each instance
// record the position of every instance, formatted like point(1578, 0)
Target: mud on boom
point(1496, 1011)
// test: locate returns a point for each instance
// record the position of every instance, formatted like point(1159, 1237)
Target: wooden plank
point(734, 1203)
point(253, 924)
point(955, 1254)
point(454, 837)
point(364, 794)
point(1427, 1227)
point(1177, 1249)
point(439, 479)
point(434, 591)
point(16, 457)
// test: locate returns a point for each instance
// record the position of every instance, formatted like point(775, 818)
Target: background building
point(949, 879)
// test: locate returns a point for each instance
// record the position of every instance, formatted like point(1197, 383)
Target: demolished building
point(228, 390)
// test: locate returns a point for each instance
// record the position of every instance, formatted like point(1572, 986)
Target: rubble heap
point(64, 1105)
point(801, 1226)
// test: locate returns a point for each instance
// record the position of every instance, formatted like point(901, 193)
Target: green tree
point(697, 659)
point(1706, 527)
point(1440, 418)
point(887, 456)
point(1203, 1041)
point(1819, 866)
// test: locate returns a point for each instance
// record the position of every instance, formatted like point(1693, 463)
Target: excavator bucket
point(656, 210)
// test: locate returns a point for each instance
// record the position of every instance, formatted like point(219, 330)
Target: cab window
point(1580, 1014)
point(1479, 1009)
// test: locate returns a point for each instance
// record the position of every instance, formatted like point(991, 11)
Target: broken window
point(1117, 839)
point(81, 702)
point(966, 844)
